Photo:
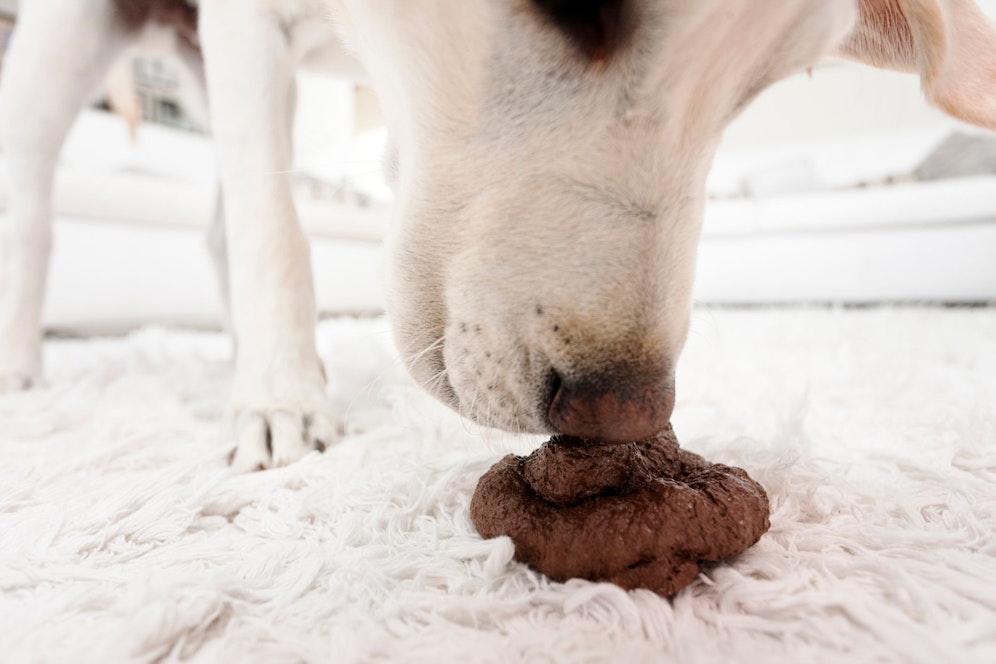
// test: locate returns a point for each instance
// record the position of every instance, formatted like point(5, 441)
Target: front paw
point(274, 430)
point(277, 438)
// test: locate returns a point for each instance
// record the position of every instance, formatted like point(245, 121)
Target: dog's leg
point(60, 52)
point(279, 409)
point(218, 249)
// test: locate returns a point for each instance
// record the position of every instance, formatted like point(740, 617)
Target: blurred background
point(836, 186)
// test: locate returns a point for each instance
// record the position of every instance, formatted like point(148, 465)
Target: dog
point(548, 159)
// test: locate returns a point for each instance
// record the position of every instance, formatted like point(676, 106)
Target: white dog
point(549, 164)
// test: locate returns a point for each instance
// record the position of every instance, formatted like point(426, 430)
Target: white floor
point(125, 538)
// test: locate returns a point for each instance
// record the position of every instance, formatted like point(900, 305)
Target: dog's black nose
point(615, 411)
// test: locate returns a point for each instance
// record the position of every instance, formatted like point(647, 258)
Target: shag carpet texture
point(124, 536)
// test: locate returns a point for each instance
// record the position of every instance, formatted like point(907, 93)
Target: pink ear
point(950, 43)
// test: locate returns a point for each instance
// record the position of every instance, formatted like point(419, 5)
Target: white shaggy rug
point(123, 537)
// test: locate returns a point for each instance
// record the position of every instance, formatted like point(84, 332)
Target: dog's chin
point(429, 371)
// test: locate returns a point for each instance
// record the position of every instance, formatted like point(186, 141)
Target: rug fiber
point(124, 537)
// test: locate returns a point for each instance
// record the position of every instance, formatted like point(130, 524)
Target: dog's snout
point(618, 409)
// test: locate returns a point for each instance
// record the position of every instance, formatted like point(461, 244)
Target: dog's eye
point(594, 26)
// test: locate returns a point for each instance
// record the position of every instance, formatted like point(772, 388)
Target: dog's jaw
point(549, 207)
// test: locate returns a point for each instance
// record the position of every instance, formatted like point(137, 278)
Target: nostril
point(611, 411)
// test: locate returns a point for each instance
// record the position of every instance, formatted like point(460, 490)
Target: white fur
point(548, 207)
point(550, 213)
point(278, 392)
point(35, 119)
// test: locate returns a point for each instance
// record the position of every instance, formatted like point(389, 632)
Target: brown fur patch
point(177, 14)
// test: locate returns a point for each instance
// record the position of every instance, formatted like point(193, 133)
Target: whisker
point(410, 363)
point(431, 382)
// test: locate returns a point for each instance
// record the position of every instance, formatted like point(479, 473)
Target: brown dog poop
point(640, 515)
